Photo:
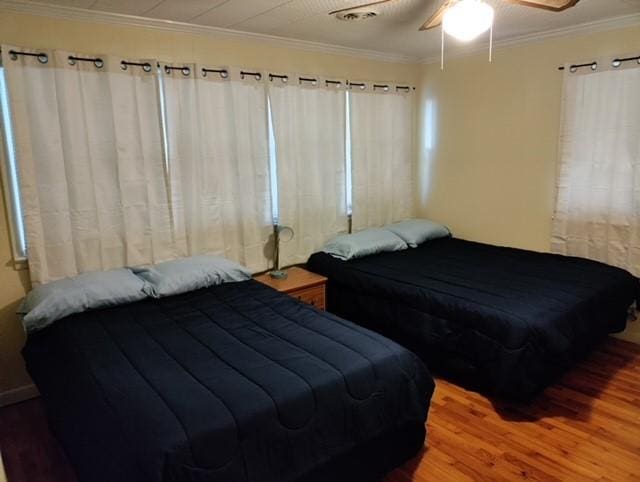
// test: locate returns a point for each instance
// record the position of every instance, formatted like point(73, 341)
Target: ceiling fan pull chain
point(441, 48)
point(490, 43)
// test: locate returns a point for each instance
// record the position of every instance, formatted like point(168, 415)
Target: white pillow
point(188, 274)
point(363, 243)
point(52, 301)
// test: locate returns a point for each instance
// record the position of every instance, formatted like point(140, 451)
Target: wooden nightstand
point(302, 284)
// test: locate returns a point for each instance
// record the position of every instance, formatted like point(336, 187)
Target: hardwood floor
point(586, 427)
point(29, 451)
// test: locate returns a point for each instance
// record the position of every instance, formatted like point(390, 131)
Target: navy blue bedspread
point(232, 383)
point(500, 320)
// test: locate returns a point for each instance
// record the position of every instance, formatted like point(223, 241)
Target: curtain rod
point(224, 73)
point(615, 63)
point(146, 66)
point(43, 58)
point(255, 75)
point(97, 61)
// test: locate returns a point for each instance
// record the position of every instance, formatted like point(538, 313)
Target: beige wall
point(34, 31)
point(490, 171)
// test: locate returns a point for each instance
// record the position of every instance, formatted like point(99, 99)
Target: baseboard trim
point(19, 394)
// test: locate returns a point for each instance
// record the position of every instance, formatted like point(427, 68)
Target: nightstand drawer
point(301, 284)
point(313, 296)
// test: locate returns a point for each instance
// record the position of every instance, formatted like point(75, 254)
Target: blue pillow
point(188, 274)
point(417, 231)
point(52, 301)
point(363, 243)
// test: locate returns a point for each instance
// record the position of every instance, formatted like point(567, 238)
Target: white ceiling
point(394, 31)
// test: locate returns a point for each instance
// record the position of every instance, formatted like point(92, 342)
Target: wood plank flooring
point(586, 427)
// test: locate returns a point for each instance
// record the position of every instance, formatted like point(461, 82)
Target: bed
point(500, 320)
point(235, 382)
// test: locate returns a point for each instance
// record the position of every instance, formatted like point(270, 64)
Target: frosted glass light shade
point(467, 19)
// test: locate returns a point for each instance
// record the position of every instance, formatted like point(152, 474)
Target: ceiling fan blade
point(370, 4)
point(553, 5)
point(436, 18)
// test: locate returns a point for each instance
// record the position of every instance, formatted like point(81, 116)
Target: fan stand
point(277, 273)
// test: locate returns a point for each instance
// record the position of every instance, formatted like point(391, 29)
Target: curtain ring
point(186, 71)
point(42, 58)
point(594, 66)
point(224, 74)
point(13, 55)
point(71, 61)
point(99, 63)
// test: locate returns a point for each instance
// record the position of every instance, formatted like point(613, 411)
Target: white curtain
point(90, 163)
point(309, 127)
point(218, 162)
point(382, 147)
point(597, 211)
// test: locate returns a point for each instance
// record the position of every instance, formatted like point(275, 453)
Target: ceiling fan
point(466, 19)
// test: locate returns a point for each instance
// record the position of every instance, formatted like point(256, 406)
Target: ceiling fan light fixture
point(467, 19)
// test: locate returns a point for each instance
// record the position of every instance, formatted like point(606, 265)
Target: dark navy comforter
point(501, 320)
point(231, 383)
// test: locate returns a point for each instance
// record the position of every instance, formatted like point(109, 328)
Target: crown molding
point(85, 15)
point(583, 28)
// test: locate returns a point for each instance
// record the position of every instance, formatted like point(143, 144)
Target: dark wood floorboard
point(586, 427)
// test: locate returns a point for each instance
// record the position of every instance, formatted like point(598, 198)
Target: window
point(10, 177)
point(10, 171)
point(10, 168)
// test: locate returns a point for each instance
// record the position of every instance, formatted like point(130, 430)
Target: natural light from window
point(347, 154)
point(19, 241)
point(273, 167)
